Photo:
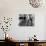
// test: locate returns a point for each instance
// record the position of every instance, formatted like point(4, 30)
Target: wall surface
point(12, 8)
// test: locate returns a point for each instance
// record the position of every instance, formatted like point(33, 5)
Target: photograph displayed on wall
point(26, 20)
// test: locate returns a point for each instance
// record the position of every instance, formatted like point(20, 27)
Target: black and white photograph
point(26, 20)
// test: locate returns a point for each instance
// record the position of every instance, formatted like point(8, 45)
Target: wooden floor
point(26, 43)
point(4, 43)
